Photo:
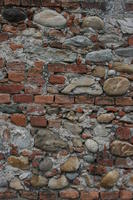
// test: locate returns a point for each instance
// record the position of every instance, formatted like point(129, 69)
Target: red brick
point(73, 68)
point(47, 195)
point(12, 2)
point(36, 3)
point(92, 195)
point(129, 6)
point(123, 163)
point(29, 195)
point(84, 99)
point(97, 169)
point(11, 89)
point(4, 98)
point(15, 76)
point(62, 99)
point(2, 62)
point(18, 119)
point(124, 101)
point(8, 195)
point(89, 5)
point(25, 2)
point(46, 99)
point(123, 133)
point(104, 101)
point(14, 46)
point(56, 79)
point(3, 37)
point(130, 41)
point(23, 98)
point(69, 194)
point(109, 195)
point(16, 66)
point(126, 195)
point(9, 28)
point(38, 121)
point(55, 123)
point(58, 67)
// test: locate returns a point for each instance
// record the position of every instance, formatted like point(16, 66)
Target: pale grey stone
point(46, 164)
point(127, 118)
point(125, 52)
point(58, 183)
point(100, 131)
point(126, 25)
point(78, 41)
point(91, 145)
point(73, 128)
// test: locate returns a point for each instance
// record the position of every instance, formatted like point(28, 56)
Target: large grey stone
point(73, 128)
point(127, 118)
point(126, 25)
point(78, 41)
point(46, 164)
point(99, 56)
point(116, 86)
point(111, 40)
point(48, 141)
point(50, 18)
point(91, 145)
point(58, 183)
point(125, 52)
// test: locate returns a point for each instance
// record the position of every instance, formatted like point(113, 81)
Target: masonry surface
point(66, 99)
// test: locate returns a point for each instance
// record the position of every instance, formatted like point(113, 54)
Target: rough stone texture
point(58, 183)
point(105, 118)
point(93, 22)
point(46, 164)
point(110, 179)
point(116, 86)
point(71, 165)
point(91, 145)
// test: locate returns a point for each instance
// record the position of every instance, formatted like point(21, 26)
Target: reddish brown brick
point(12, 2)
point(4, 98)
point(56, 79)
point(25, 2)
point(47, 195)
point(92, 195)
point(54, 123)
point(69, 194)
point(11, 88)
point(2, 62)
point(23, 98)
point(129, 6)
point(3, 37)
point(38, 121)
point(46, 99)
point(104, 101)
point(10, 29)
point(14, 46)
point(58, 67)
point(16, 66)
point(73, 68)
point(18, 119)
point(84, 99)
point(62, 99)
point(124, 101)
point(130, 41)
point(16, 76)
point(123, 133)
point(109, 195)
point(126, 195)
point(29, 195)
point(8, 195)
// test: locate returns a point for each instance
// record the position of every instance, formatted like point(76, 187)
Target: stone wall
point(66, 99)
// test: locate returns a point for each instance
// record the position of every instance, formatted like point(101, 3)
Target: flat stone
point(122, 67)
point(126, 25)
point(47, 141)
point(100, 131)
point(3, 180)
point(91, 145)
point(21, 138)
point(78, 41)
point(111, 40)
point(58, 183)
point(77, 142)
point(120, 148)
point(127, 118)
point(73, 128)
point(105, 118)
point(125, 52)
point(14, 14)
point(99, 72)
point(110, 179)
point(93, 22)
point(16, 184)
point(99, 56)
point(19, 162)
point(38, 181)
point(46, 164)
point(116, 86)
point(50, 18)
point(71, 165)
point(83, 85)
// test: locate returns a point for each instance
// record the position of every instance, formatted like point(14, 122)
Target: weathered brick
point(123, 133)
point(38, 121)
point(126, 195)
point(69, 194)
point(3, 37)
point(47, 195)
point(55, 123)
point(104, 101)
point(18, 119)
point(56, 79)
point(2, 62)
point(16, 66)
point(29, 195)
point(8, 195)
point(129, 6)
point(124, 101)
point(58, 67)
point(130, 41)
point(46, 99)
point(14, 46)
point(114, 195)
point(16, 76)
point(94, 4)
point(84, 99)
point(62, 99)
point(25, 2)
point(4, 98)
point(36, 2)
point(23, 98)
point(73, 68)
point(92, 195)
point(12, 2)
point(11, 88)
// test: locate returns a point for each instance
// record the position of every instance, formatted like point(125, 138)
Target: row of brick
point(92, 195)
point(64, 99)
